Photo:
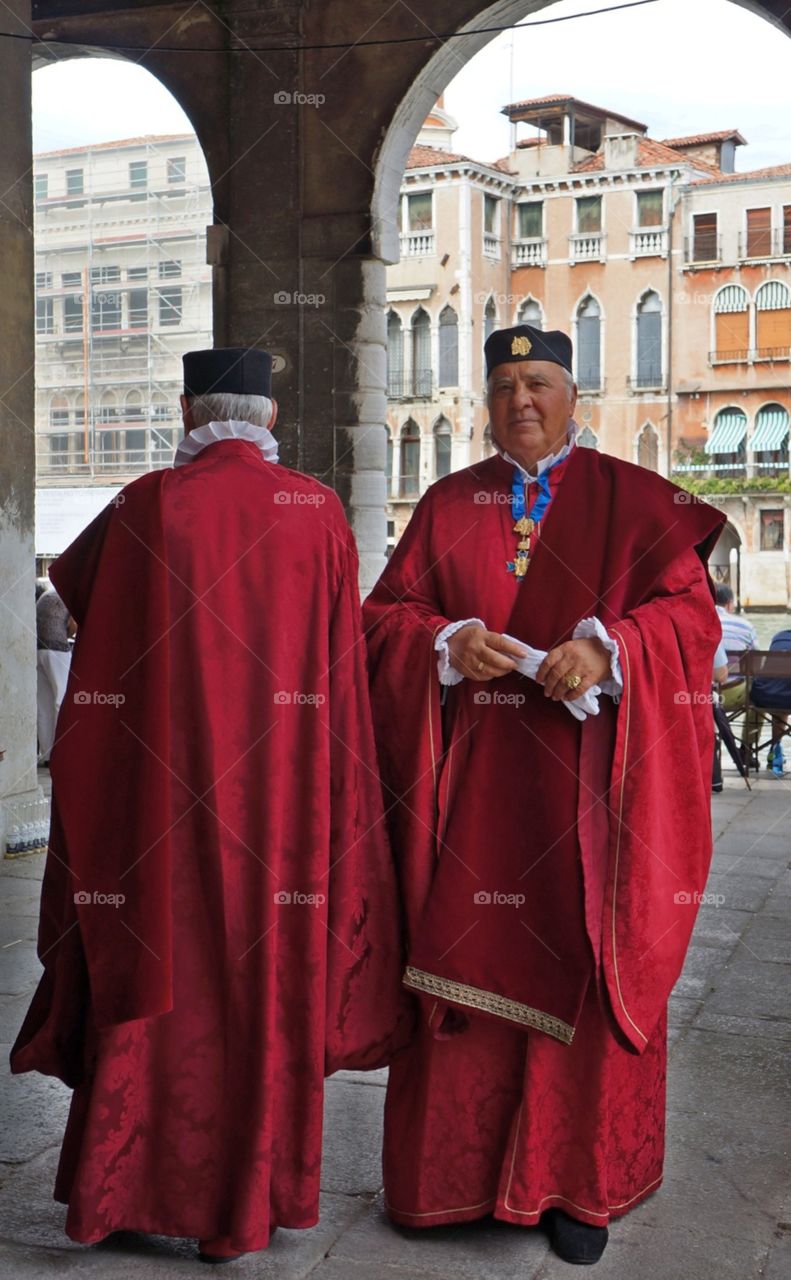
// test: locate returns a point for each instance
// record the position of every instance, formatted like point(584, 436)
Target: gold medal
point(524, 525)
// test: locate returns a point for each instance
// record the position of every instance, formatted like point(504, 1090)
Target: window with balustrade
point(705, 246)
point(529, 242)
point(587, 239)
point(491, 226)
point(758, 235)
point(648, 240)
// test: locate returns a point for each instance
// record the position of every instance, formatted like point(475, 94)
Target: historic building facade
point(670, 271)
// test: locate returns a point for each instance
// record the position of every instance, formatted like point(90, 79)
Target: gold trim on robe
point(488, 1002)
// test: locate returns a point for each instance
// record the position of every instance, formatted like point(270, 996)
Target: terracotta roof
point(752, 175)
point(697, 139)
point(423, 157)
point(120, 142)
point(556, 99)
point(649, 153)
point(530, 142)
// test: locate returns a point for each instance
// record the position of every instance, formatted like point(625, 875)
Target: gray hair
point(223, 406)
point(568, 378)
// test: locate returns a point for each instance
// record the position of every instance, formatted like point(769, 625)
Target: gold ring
point(572, 681)
point(481, 666)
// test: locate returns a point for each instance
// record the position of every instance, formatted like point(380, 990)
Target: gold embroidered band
point(489, 1002)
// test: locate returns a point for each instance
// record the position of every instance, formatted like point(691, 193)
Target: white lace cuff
point(590, 629)
point(448, 674)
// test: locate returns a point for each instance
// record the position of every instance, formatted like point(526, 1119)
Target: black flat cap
point(523, 342)
point(243, 371)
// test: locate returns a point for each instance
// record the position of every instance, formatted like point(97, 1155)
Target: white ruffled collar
point(549, 460)
point(235, 429)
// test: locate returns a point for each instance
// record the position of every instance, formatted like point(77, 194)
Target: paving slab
point(719, 927)
point(352, 1157)
point(33, 1111)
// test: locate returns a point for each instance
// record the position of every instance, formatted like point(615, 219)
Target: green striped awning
point(771, 429)
point(730, 428)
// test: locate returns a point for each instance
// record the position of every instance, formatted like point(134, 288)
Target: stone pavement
point(723, 1213)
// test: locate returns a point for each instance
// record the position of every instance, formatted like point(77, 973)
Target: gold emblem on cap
point(521, 346)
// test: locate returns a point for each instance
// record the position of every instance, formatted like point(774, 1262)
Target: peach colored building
point(672, 274)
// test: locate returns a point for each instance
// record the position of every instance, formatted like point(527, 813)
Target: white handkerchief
point(580, 708)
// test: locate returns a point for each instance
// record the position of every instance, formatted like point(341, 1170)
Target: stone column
point(17, 455)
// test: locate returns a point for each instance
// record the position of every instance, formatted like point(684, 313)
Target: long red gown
point(219, 922)
point(549, 868)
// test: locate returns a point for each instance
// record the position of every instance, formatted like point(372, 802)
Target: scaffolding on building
point(122, 290)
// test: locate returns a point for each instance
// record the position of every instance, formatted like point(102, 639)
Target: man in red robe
point(551, 832)
point(219, 925)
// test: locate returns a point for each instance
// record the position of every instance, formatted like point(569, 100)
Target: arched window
point(389, 464)
point(410, 460)
point(769, 441)
point(530, 313)
point(489, 319)
point(442, 445)
point(587, 440)
point(648, 448)
point(589, 345)
point(726, 442)
point(448, 347)
point(772, 320)
point(395, 356)
point(649, 340)
point(421, 354)
point(731, 323)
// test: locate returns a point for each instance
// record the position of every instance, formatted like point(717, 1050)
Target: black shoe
point(574, 1241)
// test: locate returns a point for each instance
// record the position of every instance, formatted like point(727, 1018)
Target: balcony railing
point(530, 253)
point(417, 244)
point(648, 242)
point(491, 246)
point(590, 383)
point(763, 244)
point(586, 246)
point(750, 355)
point(704, 247)
point(418, 385)
point(648, 380)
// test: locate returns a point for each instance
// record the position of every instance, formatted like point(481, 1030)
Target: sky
point(679, 66)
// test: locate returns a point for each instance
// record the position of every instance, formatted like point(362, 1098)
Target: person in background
point(738, 635)
point(54, 630)
point(774, 693)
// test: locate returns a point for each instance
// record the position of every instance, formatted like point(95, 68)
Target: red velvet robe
point(542, 860)
point(219, 923)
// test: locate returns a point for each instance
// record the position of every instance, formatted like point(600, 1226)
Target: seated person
point(774, 692)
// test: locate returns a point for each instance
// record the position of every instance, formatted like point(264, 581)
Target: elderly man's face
point(530, 403)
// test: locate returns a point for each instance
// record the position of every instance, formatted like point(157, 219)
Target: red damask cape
point(216, 733)
point(537, 854)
